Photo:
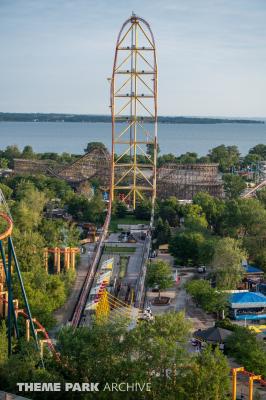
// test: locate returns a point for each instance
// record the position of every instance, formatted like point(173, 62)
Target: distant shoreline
point(53, 117)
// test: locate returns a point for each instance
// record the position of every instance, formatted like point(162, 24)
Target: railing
point(91, 273)
point(145, 255)
point(253, 190)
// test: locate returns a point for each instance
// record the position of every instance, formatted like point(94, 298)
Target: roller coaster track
point(13, 309)
point(133, 88)
point(94, 266)
point(39, 327)
point(91, 272)
point(254, 190)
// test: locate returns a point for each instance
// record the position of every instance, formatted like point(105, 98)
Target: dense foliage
point(207, 297)
point(227, 157)
point(197, 228)
point(28, 198)
point(247, 350)
point(159, 274)
point(154, 353)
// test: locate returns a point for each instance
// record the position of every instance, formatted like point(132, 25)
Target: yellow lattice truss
point(103, 307)
point(134, 114)
point(111, 308)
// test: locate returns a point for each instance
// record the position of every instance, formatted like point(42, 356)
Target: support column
point(27, 330)
point(251, 381)
point(2, 273)
point(58, 267)
point(4, 303)
point(234, 380)
point(55, 259)
point(15, 303)
point(66, 258)
point(72, 258)
point(42, 342)
point(45, 254)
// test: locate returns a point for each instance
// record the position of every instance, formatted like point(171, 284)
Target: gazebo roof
point(213, 335)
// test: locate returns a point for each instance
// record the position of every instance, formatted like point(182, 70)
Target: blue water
point(175, 138)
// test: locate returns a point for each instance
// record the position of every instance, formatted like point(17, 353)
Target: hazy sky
point(55, 55)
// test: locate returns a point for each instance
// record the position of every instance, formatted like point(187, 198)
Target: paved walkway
point(180, 300)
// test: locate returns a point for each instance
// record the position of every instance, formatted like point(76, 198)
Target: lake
point(173, 138)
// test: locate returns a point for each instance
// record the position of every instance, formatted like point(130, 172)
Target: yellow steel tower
point(134, 114)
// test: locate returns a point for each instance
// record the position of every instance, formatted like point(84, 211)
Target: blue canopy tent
point(248, 306)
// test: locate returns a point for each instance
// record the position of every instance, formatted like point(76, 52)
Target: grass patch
point(119, 249)
point(128, 220)
point(123, 266)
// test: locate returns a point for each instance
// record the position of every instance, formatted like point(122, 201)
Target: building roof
point(164, 247)
point(252, 269)
point(247, 300)
point(214, 335)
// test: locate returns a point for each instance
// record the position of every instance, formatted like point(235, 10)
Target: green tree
point(227, 263)
point(207, 297)
point(243, 217)
point(212, 207)
point(29, 249)
point(67, 157)
point(226, 156)
point(168, 213)
point(260, 255)
point(109, 352)
point(260, 150)
point(190, 247)
point(7, 191)
point(247, 350)
point(24, 366)
point(83, 209)
point(143, 210)
point(252, 159)
point(4, 163)
point(150, 149)
point(195, 218)
point(46, 293)
point(121, 209)
point(159, 273)
point(162, 232)
point(234, 185)
point(96, 211)
point(188, 158)
point(166, 159)
point(28, 153)
point(210, 377)
point(94, 145)
point(28, 211)
point(59, 233)
point(12, 152)
point(261, 196)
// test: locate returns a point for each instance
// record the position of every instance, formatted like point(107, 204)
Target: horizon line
point(109, 115)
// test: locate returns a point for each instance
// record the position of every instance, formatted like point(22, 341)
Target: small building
point(252, 276)
point(164, 248)
point(213, 335)
point(246, 305)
